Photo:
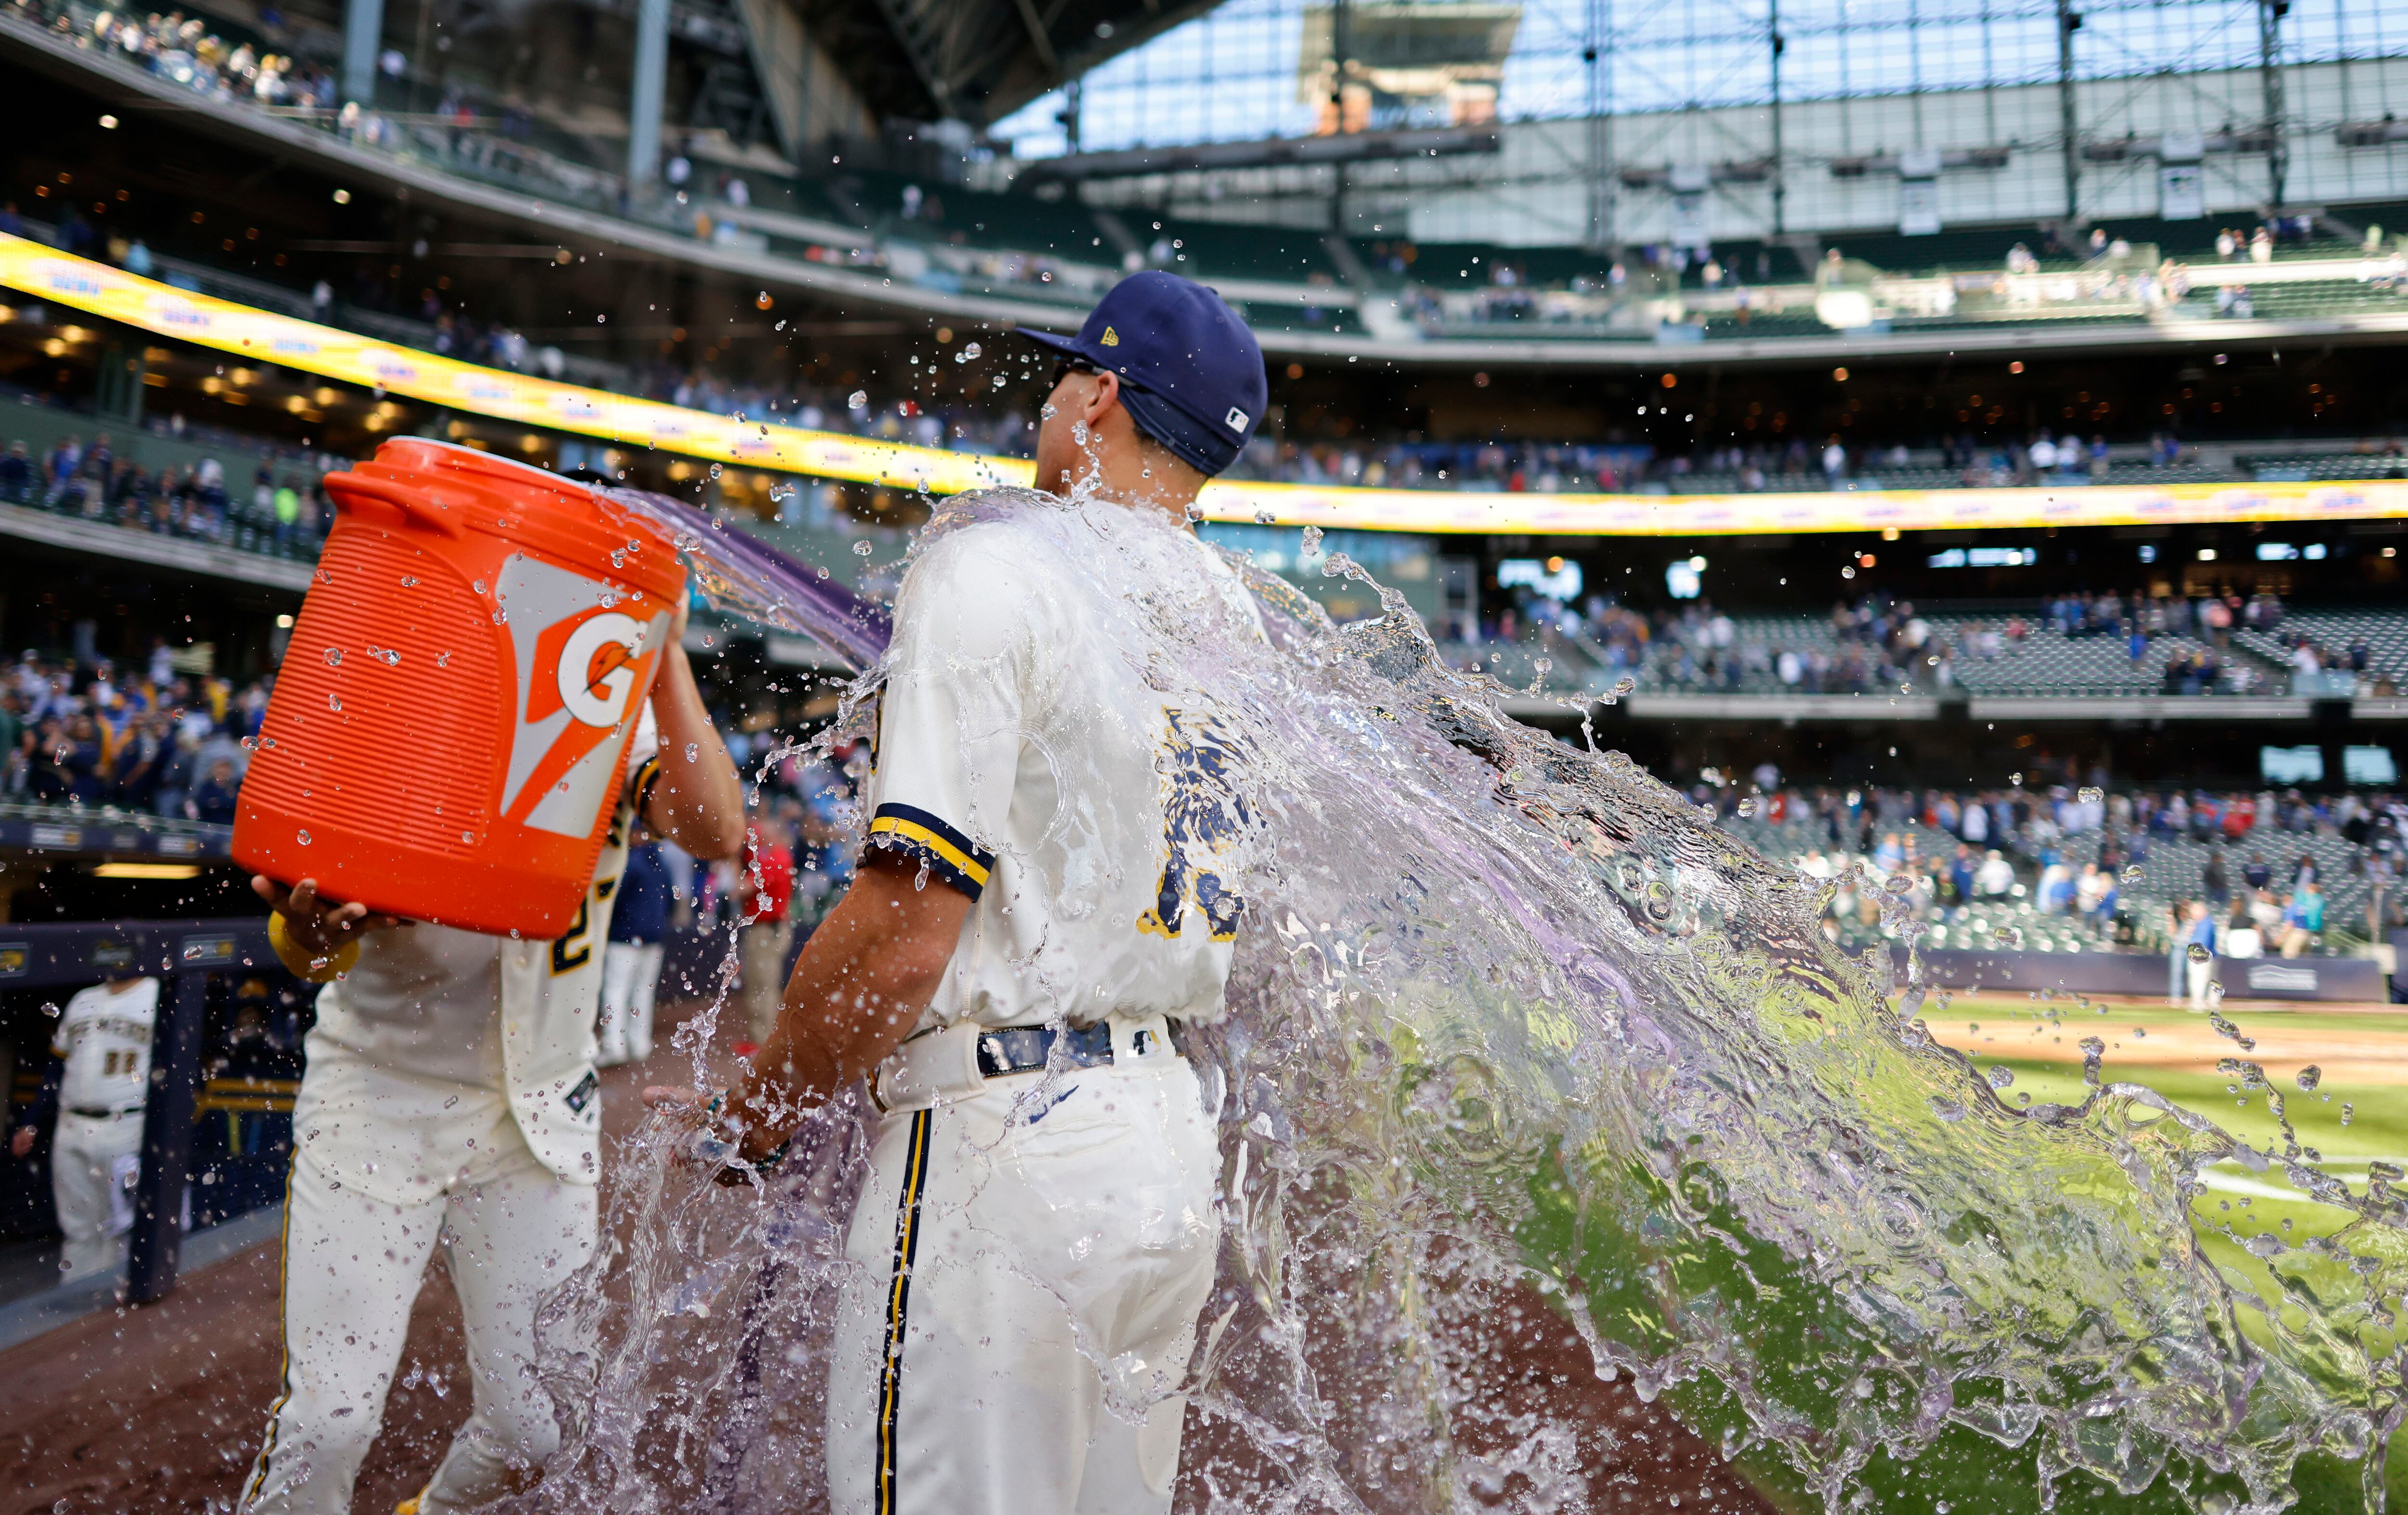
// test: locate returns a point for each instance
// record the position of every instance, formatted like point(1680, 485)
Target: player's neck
point(1135, 479)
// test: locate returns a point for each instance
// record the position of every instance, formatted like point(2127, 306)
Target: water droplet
point(862, 549)
point(1947, 1109)
point(1624, 685)
point(1847, 573)
point(2199, 952)
point(857, 400)
point(2016, 779)
point(409, 582)
point(304, 837)
point(467, 836)
point(333, 657)
point(334, 701)
point(714, 470)
point(1311, 540)
point(249, 744)
point(2010, 937)
point(693, 751)
point(1747, 806)
point(478, 584)
point(2348, 1112)
point(2132, 874)
point(1898, 883)
point(2001, 1075)
point(2308, 1077)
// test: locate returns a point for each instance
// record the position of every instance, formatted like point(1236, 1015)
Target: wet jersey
point(104, 1039)
point(1024, 758)
point(442, 1049)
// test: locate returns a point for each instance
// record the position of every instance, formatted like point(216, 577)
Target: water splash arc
point(1509, 1016)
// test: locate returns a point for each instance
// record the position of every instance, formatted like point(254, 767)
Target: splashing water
point(1513, 1029)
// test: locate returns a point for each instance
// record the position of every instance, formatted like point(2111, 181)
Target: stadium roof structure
point(111, 293)
point(979, 60)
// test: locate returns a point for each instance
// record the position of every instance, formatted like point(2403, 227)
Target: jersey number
point(571, 950)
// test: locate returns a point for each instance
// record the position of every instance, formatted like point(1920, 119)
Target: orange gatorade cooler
point(450, 725)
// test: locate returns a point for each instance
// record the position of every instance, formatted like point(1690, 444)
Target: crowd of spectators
point(149, 741)
point(2081, 855)
point(282, 511)
point(1879, 643)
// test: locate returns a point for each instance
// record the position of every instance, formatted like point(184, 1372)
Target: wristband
point(298, 961)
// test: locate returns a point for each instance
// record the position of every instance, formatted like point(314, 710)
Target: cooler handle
point(350, 490)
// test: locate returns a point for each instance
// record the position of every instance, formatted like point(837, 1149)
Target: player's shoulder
point(986, 568)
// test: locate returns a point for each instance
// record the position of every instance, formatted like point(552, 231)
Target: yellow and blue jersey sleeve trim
point(951, 857)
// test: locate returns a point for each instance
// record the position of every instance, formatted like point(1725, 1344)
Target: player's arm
point(697, 800)
point(859, 986)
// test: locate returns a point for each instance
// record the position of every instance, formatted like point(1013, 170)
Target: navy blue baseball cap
point(1191, 373)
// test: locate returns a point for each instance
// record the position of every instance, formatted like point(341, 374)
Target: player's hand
point(737, 1150)
point(319, 927)
point(20, 1141)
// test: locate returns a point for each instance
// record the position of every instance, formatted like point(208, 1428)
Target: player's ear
point(1107, 394)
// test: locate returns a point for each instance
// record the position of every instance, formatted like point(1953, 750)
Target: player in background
point(765, 893)
point(631, 962)
point(450, 1100)
point(1037, 891)
point(102, 1045)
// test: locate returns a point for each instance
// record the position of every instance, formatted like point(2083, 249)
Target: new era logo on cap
point(1236, 419)
point(1111, 338)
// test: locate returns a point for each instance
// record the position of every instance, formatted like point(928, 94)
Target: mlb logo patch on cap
point(1236, 419)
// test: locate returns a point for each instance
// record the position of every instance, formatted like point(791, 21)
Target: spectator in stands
point(142, 761)
point(16, 475)
point(2303, 919)
point(2198, 970)
point(213, 797)
point(2241, 938)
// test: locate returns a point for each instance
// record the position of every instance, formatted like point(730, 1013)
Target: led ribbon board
point(264, 337)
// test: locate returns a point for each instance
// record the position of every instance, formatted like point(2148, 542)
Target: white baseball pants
point(92, 1163)
point(351, 1270)
point(1022, 1306)
point(631, 974)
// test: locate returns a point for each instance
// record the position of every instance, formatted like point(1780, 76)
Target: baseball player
point(450, 1100)
point(103, 1044)
point(631, 962)
point(1037, 904)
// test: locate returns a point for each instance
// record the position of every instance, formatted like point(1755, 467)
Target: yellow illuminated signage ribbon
point(114, 295)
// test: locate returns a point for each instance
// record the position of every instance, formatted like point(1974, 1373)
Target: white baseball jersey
point(104, 1039)
point(442, 1049)
point(1024, 760)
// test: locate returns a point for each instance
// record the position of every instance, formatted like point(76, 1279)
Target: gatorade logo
point(585, 665)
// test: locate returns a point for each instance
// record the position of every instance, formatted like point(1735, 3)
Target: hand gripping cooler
point(450, 729)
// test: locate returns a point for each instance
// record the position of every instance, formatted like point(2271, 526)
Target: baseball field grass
point(2352, 1112)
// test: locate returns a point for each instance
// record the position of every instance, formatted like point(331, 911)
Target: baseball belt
point(103, 1115)
point(950, 1062)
